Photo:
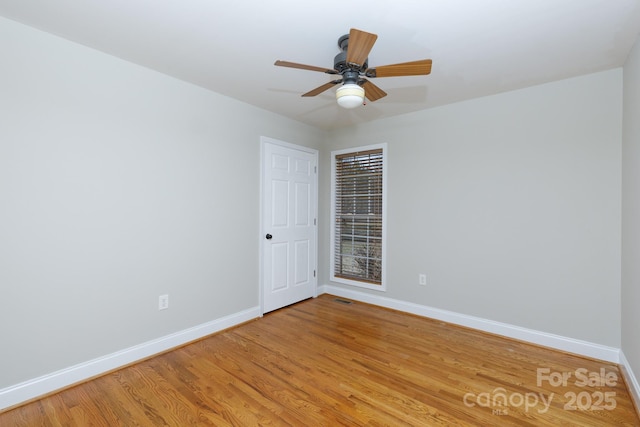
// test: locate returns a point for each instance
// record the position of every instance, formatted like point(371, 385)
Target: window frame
point(354, 282)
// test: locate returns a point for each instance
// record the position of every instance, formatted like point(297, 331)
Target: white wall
point(118, 184)
point(510, 204)
point(631, 212)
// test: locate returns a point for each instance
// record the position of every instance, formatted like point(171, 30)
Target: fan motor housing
point(340, 61)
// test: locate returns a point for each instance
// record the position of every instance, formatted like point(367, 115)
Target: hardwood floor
point(325, 363)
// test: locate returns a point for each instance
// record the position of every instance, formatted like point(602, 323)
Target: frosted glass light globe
point(350, 95)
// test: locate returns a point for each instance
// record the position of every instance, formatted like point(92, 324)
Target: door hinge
point(314, 273)
point(314, 221)
point(315, 169)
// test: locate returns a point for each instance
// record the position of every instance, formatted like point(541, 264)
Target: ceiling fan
point(352, 65)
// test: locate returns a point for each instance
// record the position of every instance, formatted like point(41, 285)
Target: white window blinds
point(358, 216)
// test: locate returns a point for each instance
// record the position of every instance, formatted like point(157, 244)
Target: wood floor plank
point(320, 363)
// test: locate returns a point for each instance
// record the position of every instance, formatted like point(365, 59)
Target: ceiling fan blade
point(414, 68)
point(360, 44)
point(320, 89)
point(371, 91)
point(304, 67)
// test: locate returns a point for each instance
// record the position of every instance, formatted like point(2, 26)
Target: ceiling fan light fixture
point(350, 95)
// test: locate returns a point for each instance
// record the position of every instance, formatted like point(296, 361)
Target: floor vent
point(343, 301)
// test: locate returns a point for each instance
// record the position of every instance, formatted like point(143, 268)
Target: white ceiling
point(478, 47)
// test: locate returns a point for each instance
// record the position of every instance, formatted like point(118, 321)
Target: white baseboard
point(631, 380)
point(31, 389)
point(571, 345)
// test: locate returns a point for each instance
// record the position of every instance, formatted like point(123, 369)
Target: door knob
point(268, 236)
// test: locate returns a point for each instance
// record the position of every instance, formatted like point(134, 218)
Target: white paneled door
point(289, 206)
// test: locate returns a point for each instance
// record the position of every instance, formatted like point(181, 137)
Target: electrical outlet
point(163, 302)
point(422, 279)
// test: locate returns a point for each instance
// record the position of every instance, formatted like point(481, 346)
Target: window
point(358, 196)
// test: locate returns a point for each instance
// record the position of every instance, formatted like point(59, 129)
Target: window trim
point(353, 282)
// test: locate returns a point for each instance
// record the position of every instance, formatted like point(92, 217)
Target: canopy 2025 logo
point(500, 401)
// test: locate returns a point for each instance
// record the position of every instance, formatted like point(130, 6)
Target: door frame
point(267, 140)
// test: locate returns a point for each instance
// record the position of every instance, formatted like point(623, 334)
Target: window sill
point(380, 288)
